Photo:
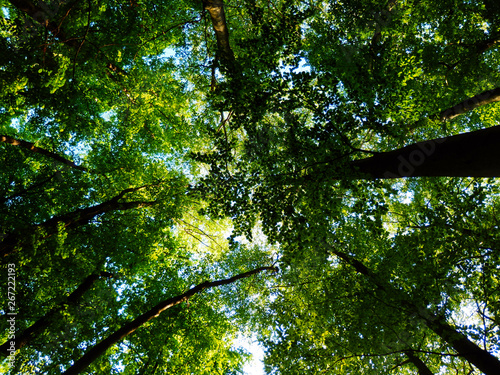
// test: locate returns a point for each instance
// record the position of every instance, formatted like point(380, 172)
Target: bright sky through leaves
point(184, 179)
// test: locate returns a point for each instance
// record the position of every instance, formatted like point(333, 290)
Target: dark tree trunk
point(419, 364)
point(482, 359)
point(41, 324)
point(132, 326)
point(15, 240)
point(474, 154)
point(31, 146)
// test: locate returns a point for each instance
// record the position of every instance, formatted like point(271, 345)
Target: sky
point(256, 365)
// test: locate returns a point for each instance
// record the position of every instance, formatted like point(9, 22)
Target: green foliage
point(194, 168)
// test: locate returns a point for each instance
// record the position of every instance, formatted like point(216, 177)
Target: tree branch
point(81, 216)
point(132, 326)
point(31, 146)
point(41, 324)
point(484, 98)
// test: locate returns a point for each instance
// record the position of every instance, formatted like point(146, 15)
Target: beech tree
point(350, 148)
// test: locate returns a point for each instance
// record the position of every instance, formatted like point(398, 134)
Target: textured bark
point(482, 359)
point(132, 326)
point(15, 240)
point(216, 10)
point(473, 154)
point(31, 146)
point(41, 324)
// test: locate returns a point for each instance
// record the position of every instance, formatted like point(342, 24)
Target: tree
point(137, 137)
point(336, 312)
point(41, 324)
point(130, 327)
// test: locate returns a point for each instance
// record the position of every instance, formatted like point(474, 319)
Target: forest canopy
point(319, 176)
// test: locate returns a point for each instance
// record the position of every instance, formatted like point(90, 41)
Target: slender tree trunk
point(132, 326)
point(31, 146)
point(482, 359)
point(15, 240)
point(484, 98)
point(419, 364)
point(216, 10)
point(41, 324)
point(473, 154)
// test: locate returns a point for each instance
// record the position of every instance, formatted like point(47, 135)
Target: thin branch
point(31, 146)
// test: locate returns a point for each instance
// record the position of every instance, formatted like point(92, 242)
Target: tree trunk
point(484, 98)
point(419, 364)
point(31, 146)
point(216, 10)
point(15, 240)
point(41, 324)
point(482, 359)
point(473, 154)
point(132, 326)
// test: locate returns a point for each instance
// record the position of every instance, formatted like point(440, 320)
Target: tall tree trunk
point(41, 324)
point(31, 146)
point(473, 154)
point(419, 364)
point(15, 240)
point(216, 10)
point(132, 326)
point(482, 359)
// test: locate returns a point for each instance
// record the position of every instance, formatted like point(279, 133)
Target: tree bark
point(41, 324)
point(132, 326)
point(31, 146)
point(484, 98)
point(482, 359)
point(419, 364)
point(216, 10)
point(15, 240)
point(473, 154)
